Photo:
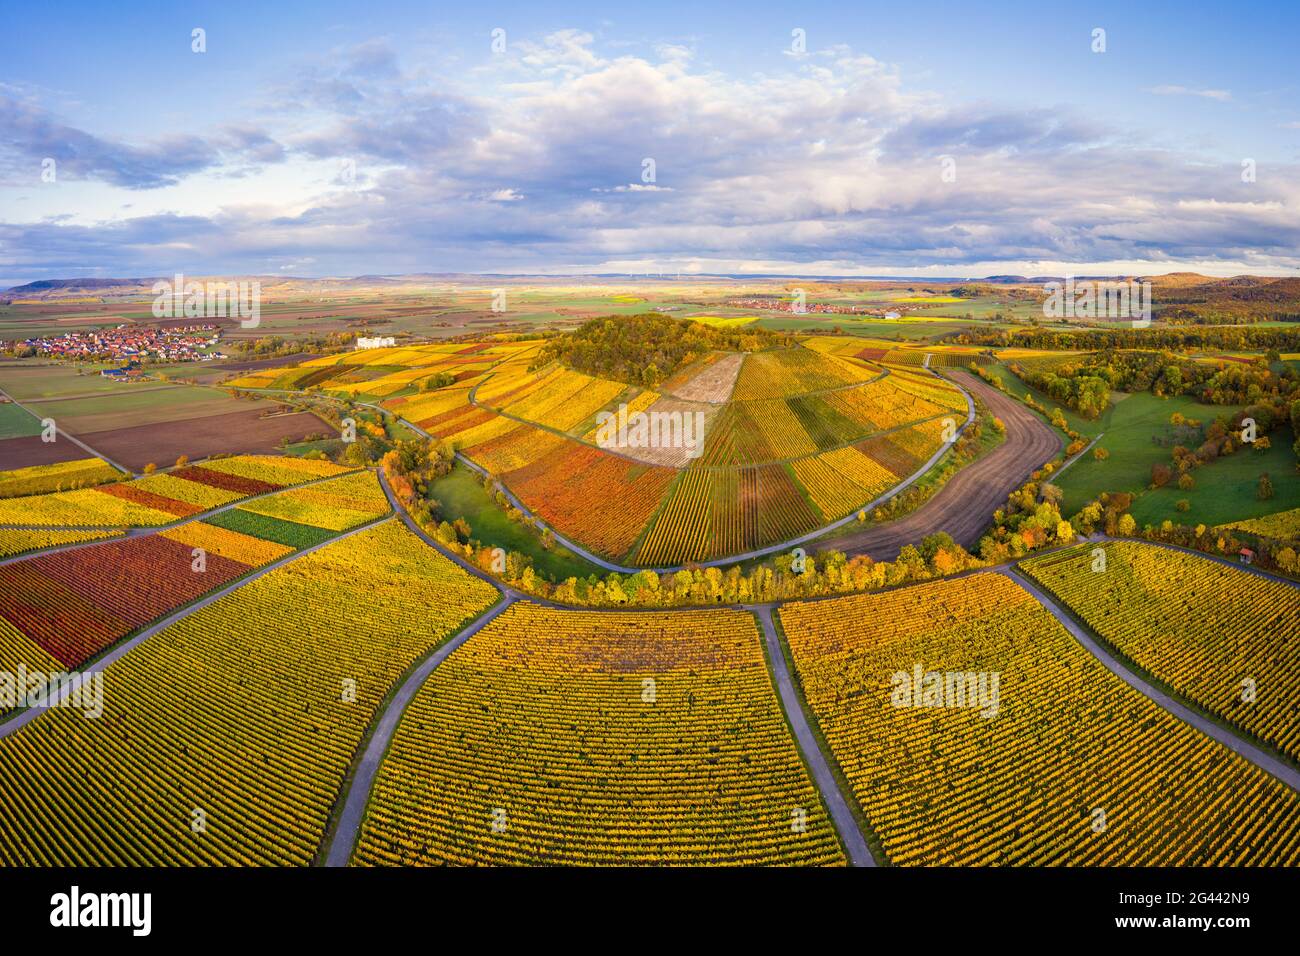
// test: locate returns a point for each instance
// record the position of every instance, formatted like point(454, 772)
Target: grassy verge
point(461, 496)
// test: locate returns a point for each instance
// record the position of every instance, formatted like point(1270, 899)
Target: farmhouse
point(129, 371)
point(378, 342)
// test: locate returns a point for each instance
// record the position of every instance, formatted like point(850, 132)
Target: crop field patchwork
point(602, 499)
point(15, 541)
point(41, 479)
point(783, 372)
point(199, 718)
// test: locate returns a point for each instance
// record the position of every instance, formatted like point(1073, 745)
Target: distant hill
point(1175, 287)
point(77, 285)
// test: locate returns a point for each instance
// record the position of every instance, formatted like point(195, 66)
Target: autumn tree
point(1264, 490)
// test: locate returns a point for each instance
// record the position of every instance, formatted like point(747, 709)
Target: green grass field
point(288, 533)
point(137, 404)
point(1225, 488)
point(1128, 426)
point(30, 380)
point(16, 422)
point(461, 496)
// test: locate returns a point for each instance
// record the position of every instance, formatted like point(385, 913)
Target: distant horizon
point(9, 285)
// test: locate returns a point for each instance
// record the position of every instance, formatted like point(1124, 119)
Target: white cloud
point(1172, 90)
point(634, 188)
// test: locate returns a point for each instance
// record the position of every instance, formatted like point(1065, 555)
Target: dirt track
point(965, 505)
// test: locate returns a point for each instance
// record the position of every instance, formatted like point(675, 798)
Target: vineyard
point(387, 373)
point(164, 498)
point(595, 739)
point(1073, 766)
point(853, 447)
point(715, 512)
point(783, 372)
point(74, 604)
point(224, 740)
point(808, 436)
point(64, 475)
point(1282, 526)
point(15, 541)
point(1221, 637)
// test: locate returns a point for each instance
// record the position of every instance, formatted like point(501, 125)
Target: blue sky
point(948, 139)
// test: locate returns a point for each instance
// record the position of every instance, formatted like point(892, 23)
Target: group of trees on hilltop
point(275, 345)
point(645, 349)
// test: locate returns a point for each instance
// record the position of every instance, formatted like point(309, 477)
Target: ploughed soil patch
point(30, 450)
point(243, 432)
point(254, 364)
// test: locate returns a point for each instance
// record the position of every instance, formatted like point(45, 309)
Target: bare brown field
point(30, 450)
point(667, 454)
point(244, 432)
point(713, 383)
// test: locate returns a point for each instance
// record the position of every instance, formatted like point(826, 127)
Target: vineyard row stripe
point(31, 713)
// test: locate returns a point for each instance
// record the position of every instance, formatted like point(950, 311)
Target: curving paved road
point(363, 779)
point(841, 816)
point(964, 506)
point(1260, 758)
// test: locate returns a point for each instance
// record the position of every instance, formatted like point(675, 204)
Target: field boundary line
point(836, 802)
point(102, 662)
point(1082, 451)
point(356, 800)
point(1238, 745)
point(56, 548)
